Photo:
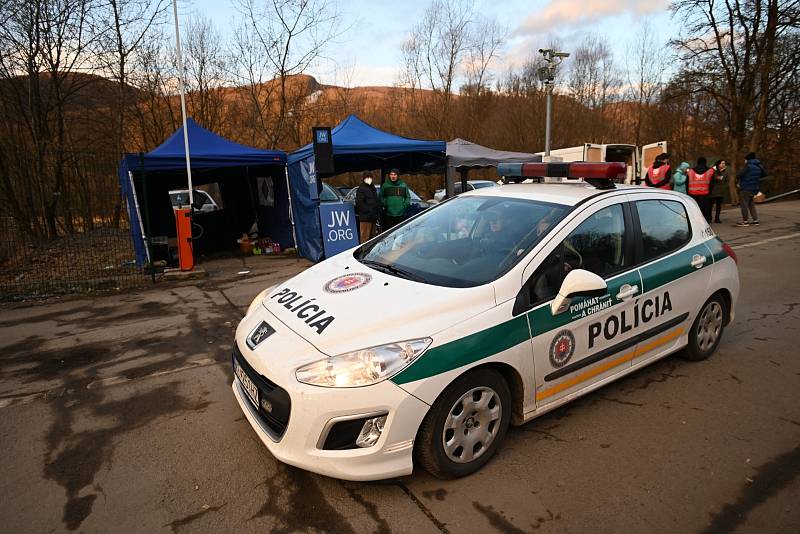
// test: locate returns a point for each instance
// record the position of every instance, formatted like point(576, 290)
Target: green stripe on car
point(466, 350)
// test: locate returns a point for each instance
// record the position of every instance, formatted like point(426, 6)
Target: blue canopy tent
point(146, 179)
point(357, 146)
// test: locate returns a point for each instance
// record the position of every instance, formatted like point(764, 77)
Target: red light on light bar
point(578, 169)
point(597, 170)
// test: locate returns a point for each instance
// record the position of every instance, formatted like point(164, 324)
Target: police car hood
point(341, 305)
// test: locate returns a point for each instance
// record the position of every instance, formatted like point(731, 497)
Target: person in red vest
point(699, 186)
point(658, 174)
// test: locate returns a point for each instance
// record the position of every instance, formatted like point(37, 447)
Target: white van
point(637, 160)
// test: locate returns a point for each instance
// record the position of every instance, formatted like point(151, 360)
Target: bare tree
point(593, 76)
point(292, 35)
point(727, 52)
point(124, 24)
point(43, 52)
point(644, 75)
point(205, 70)
point(154, 75)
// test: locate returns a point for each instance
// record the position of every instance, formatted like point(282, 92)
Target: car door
point(675, 267)
point(590, 340)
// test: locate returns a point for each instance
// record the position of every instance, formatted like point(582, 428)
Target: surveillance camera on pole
point(547, 75)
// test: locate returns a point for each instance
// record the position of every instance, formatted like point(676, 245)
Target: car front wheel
point(466, 425)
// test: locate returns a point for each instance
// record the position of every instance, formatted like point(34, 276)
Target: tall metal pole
point(549, 91)
point(183, 105)
point(547, 75)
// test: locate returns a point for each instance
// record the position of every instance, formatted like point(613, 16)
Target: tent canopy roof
point(464, 154)
point(207, 150)
point(353, 136)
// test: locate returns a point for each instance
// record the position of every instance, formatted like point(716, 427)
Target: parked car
point(203, 202)
point(330, 194)
point(505, 304)
point(438, 196)
point(417, 204)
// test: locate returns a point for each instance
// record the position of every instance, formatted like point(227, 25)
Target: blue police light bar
point(509, 169)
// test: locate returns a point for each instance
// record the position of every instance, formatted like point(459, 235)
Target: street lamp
point(547, 75)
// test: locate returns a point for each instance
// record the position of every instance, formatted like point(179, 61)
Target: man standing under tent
point(368, 208)
point(395, 200)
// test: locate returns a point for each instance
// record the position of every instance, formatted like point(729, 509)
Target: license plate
point(247, 384)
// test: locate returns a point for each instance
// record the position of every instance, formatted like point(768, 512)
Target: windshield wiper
point(391, 269)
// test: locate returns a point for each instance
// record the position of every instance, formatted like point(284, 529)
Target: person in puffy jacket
point(368, 207)
point(395, 200)
point(679, 178)
point(749, 183)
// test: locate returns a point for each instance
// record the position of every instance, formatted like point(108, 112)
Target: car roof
point(568, 194)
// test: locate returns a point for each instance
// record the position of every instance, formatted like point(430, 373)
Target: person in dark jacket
point(368, 207)
point(658, 174)
point(718, 185)
point(749, 183)
point(699, 186)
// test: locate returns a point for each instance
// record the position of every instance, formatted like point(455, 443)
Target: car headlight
point(363, 367)
point(259, 298)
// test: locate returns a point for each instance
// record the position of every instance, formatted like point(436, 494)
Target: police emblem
point(348, 282)
point(561, 348)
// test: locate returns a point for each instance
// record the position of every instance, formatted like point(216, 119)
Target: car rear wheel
point(466, 425)
point(706, 332)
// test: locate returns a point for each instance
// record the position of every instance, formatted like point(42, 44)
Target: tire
point(706, 332)
point(485, 392)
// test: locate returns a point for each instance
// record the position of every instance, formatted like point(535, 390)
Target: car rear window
point(665, 227)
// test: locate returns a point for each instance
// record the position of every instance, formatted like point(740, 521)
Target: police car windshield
point(466, 242)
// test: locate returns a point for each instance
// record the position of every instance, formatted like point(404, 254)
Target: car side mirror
point(577, 283)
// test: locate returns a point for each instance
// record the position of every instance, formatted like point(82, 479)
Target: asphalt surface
point(116, 414)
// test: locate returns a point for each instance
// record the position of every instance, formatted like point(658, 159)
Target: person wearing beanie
point(368, 207)
point(749, 182)
point(699, 185)
point(395, 200)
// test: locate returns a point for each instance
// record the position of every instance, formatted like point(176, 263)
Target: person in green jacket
point(680, 177)
point(395, 200)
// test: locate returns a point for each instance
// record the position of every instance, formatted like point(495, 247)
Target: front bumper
point(312, 411)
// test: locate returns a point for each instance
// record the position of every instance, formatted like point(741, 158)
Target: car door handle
point(627, 291)
point(698, 261)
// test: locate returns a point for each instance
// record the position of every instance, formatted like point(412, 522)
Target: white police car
point(492, 308)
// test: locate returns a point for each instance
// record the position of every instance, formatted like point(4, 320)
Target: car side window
point(597, 245)
point(457, 188)
point(664, 225)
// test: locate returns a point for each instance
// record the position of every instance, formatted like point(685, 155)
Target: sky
point(368, 53)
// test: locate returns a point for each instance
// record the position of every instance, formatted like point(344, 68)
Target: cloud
point(559, 14)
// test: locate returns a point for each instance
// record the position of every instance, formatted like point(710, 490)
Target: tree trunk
point(766, 60)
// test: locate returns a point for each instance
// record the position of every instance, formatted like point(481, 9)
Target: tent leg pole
point(138, 216)
point(448, 179)
point(291, 211)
